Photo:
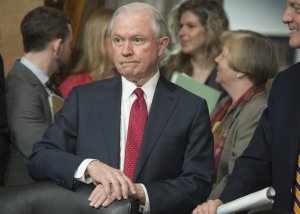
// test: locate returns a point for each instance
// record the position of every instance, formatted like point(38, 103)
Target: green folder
point(210, 94)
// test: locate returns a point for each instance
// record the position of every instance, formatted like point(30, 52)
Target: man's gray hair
point(158, 21)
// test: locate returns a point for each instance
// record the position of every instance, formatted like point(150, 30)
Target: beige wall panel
point(75, 10)
point(11, 14)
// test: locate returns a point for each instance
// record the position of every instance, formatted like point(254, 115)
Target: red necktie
point(136, 126)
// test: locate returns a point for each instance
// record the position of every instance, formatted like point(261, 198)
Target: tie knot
point(139, 92)
point(50, 85)
point(53, 89)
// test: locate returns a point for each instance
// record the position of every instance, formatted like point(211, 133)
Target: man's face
point(291, 17)
point(136, 49)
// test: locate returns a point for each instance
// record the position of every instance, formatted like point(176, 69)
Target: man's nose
point(286, 17)
point(127, 48)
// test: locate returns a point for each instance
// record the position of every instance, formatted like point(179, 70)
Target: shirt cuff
point(145, 209)
point(79, 174)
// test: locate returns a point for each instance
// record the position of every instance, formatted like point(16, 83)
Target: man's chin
point(294, 43)
point(129, 73)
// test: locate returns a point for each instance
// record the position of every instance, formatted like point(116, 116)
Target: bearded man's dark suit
point(271, 157)
point(176, 157)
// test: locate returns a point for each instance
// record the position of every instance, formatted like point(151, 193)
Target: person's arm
point(81, 175)
point(4, 140)
point(56, 156)
point(28, 114)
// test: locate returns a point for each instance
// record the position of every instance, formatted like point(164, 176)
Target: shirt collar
point(35, 70)
point(148, 88)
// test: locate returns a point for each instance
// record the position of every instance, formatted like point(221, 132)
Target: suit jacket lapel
point(163, 105)
point(109, 105)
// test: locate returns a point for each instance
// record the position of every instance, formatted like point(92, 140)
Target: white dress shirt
point(127, 100)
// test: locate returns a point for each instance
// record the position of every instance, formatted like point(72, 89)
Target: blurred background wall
point(262, 16)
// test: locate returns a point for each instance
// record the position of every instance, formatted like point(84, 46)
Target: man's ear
point(163, 44)
point(56, 45)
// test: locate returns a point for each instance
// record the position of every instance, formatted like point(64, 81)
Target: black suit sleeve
point(3, 121)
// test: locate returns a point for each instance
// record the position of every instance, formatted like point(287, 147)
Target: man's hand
point(140, 193)
point(114, 182)
point(100, 198)
point(210, 207)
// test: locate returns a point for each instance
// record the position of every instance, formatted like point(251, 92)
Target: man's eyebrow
point(133, 36)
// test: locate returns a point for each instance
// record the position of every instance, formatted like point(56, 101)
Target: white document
point(253, 200)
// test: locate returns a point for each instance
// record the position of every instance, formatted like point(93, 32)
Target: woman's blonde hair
point(251, 53)
point(93, 57)
point(214, 20)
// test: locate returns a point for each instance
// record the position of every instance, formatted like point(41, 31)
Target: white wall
point(263, 16)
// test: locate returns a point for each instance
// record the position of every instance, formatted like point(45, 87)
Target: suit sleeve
point(54, 156)
point(3, 120)
point(28, 114)
point(182, 194)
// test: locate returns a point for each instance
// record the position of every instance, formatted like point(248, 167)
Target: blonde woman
point(95, 60)
point(197, 26)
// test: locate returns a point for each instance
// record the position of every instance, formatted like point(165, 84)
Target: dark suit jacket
point(29, 115)
point(271, 157)
point(4, 142)
point(3, 121)
point(176, 157)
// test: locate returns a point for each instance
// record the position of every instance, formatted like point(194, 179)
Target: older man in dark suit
point(137, 134)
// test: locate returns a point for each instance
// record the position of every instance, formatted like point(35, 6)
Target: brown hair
point(42, 25)
point(214, 20)
point(252, 54)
